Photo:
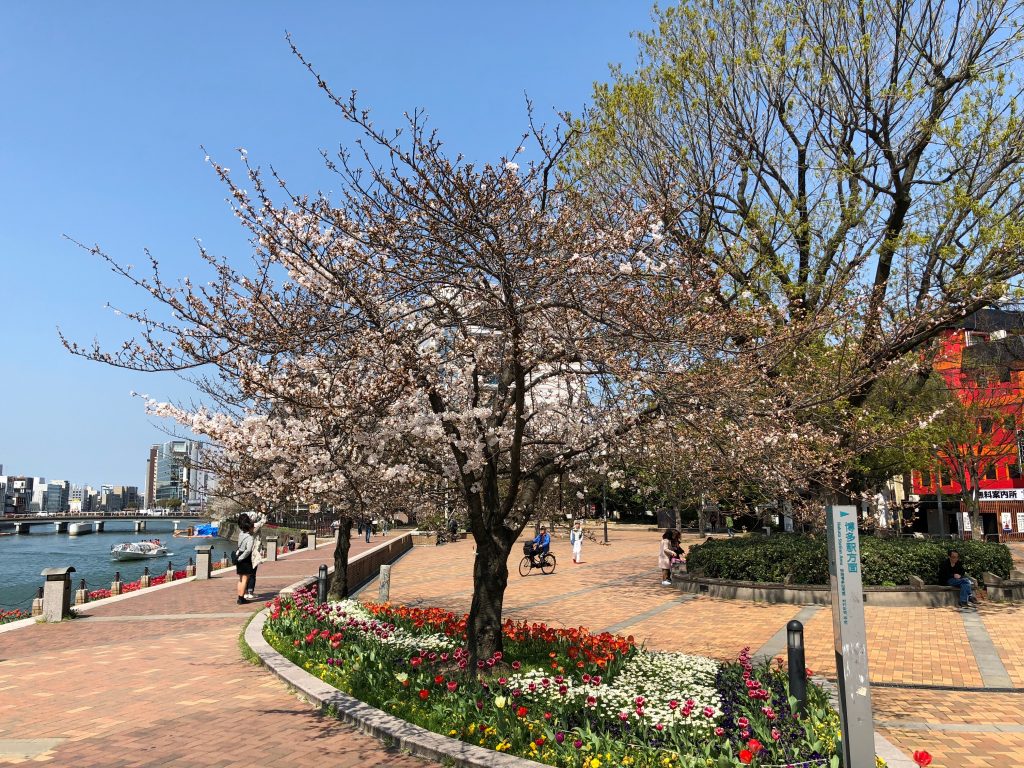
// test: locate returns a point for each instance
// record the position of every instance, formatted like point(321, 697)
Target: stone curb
point(370, 720)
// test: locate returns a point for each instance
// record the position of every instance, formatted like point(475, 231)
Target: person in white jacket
point(258, 520)
point(576, 539)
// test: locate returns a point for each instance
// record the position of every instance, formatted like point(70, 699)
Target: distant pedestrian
point(576, 539)
point(384, 526)
point(243, 555)
point(729, 526)
point(665, 555)
point(369, 530)
point(291, 543)
point(951, 573)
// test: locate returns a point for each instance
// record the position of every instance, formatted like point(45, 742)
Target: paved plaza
point(159, 679)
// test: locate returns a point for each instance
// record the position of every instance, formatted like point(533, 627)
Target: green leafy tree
point(868, 150)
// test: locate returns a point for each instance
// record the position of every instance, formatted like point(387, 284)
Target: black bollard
point(81, 584)
point(169, 566)
point(117, 575)
point(145, 571)
point(797, 664)
point(39, 593)
point(190, 561)
point(321, 585)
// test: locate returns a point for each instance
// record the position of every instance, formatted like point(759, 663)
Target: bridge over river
point(84, 523)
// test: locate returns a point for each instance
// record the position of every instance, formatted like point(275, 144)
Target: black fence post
point(321, 585)
point(797, 664)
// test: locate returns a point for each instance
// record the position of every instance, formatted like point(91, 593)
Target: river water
point(23, 557)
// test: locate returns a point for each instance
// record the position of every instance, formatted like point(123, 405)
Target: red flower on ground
point(922, 758)
point(424, 693)
point(521, 712)
point(746, 756)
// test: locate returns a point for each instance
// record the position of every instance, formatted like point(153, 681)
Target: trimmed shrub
point(804, 559)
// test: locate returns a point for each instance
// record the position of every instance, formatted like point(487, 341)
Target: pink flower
point(719, 731)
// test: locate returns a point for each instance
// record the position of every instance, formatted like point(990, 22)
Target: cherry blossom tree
point(491, 326)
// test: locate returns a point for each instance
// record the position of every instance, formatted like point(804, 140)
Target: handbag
point(257, 556)
point(234, 557)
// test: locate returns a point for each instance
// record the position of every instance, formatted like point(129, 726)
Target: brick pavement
point(184, 692)
point(135, 684)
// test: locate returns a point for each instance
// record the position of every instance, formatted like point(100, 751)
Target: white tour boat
point(138, 550)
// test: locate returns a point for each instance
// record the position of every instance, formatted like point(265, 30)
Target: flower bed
point(132, 586)
point(563, 697)
point(12, 615)
point(804, 560)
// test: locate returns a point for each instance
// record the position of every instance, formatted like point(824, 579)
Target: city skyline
point(107, 140)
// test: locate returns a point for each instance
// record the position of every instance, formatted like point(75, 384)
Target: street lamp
point(604, 507)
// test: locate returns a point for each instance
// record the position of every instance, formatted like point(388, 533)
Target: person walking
point(368, 527)
point(243, 555)
point(576, 539)
point(665, 555)
point(257, 555)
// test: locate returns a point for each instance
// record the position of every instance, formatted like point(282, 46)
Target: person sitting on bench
point(541, 544)
point(951, 573)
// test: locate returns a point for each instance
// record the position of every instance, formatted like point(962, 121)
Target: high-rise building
point(151, 467)
point(129, 496)
point(55, 498)
point(176, 472)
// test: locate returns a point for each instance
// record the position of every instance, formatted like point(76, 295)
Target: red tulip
point(424, 693)
point(746, 756)
point(922, 758)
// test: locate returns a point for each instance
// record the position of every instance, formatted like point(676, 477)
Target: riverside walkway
point(159, 679)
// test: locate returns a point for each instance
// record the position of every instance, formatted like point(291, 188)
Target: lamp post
point(604, 508)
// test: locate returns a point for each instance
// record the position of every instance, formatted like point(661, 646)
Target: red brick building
point(982, 361)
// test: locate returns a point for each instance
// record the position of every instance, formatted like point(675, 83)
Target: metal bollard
point(37, 603)
point(145, 580)
point(169, 576)
point(321, 585)
point(82, 595)
point(115, 587)
point(190, 569)
point(797, 664)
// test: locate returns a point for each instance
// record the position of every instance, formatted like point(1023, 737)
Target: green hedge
point(805, 560)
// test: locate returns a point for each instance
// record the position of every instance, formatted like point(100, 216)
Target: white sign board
point(851, 645)
point(965, 522)
point(1001, 494)
point(1005, 522)
point(1020, 522)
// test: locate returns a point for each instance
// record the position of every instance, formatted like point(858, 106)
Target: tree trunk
point(339, 579)
point(490, 577)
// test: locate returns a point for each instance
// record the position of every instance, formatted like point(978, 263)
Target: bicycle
point(546, 564)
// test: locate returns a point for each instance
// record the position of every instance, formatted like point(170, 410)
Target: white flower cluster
point(671, 689)
point(351, 613)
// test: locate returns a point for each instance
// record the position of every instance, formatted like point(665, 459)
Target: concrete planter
point(928, 596)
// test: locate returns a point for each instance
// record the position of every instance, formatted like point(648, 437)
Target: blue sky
point(105, 107)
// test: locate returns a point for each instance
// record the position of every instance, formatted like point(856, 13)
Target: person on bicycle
point(541, 545)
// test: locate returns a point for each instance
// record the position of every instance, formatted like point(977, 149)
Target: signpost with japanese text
point(851, 646)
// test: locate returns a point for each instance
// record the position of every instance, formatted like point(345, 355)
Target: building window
point(1014, 471)
point(926, 478)
point(990, 472)
point(985, 426)
point(1009, 423)
point(944, 476)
